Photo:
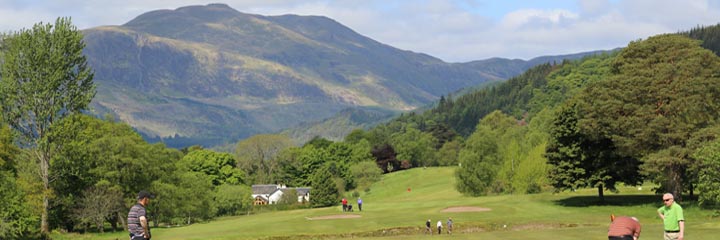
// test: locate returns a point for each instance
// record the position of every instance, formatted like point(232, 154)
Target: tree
point(257, 156)
point(579, 161)
point(44, 78)
point(233, 199)
point(311, 160)
point(291, 167)
point(201, 206)
point(8, 150)
point(16, 221)
point(532, 174)
point(479, 163)
point(344, 155)
point(661, 92)
point(448, 153)
point(319, 142)
point(219, 167)
point(355, 136)
point(709, 182)
point(365, 173)
point(97, 204)
point(385, 157)
point(415, 146)
point(324, 190)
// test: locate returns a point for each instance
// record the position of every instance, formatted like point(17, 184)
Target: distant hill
point(210, 75)
point(508, 68)
point(340, 125)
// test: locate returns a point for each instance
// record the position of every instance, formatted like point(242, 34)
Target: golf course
point(398, 206)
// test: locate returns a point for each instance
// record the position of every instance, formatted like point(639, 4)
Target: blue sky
point(452, 30)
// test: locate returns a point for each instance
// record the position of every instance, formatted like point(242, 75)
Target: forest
point(645, 113)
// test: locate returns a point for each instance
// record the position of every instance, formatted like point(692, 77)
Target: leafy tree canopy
point(657, 97)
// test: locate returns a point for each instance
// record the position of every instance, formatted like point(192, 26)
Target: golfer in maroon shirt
point(624, 228)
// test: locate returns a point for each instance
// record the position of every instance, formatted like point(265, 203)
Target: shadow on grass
point(619, 200)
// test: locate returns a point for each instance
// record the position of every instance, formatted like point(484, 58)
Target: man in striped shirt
point(624, 228)
point(137, 217)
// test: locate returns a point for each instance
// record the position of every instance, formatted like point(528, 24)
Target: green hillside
point(390, 211)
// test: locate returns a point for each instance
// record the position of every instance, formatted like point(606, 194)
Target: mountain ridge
point(214, 72)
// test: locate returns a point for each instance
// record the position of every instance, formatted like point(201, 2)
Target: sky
point(452, 30)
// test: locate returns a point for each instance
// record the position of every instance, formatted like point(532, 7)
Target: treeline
point(708, 35)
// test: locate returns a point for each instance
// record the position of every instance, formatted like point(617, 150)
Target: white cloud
point(537, 18)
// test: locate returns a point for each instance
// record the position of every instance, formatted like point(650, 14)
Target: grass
point(390, 211)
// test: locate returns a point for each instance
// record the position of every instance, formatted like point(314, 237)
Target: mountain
point(210, 74)
point(508, 68)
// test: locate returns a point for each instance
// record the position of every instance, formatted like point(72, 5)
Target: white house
point(271, 194)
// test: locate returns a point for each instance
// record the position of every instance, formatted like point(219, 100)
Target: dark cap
point(145, 194)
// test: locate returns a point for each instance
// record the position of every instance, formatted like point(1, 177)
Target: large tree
point(44, 78)
point(662, 90)
point(324, 189)
point(579, 160)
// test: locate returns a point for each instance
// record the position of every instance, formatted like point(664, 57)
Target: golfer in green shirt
point(673, 219)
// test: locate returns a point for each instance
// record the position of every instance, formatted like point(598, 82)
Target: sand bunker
point(465, 209)
point(339, 216)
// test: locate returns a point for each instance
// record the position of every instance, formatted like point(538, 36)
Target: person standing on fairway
point(428, 230)
point(673, 219)
point(624, 228)
point(137, 217)
point(439, 226)
point(449, 225)
point(344, 203)
point(360, 204)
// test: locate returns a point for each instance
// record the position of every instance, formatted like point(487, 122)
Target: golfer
point(428, 230)
point(137, 217)
point(624, 228)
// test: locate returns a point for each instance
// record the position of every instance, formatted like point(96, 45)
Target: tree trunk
point(113, 221)
point(676, 182)
point(44, 175)
point(99, 224)
point(600, 194)
point(44, 227)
